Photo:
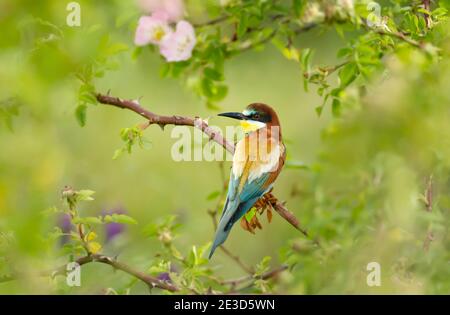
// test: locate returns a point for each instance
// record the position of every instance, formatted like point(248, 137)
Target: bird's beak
point(234, 115)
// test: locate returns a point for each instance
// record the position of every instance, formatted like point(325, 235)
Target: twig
point(152, 282)
point(236, 258)
point(268, 275)
point(429, 194)
point(68, 193)
point(428, 201)
point(213, 21)
point(288, 216)
point(398, 35)
point(426, 6)
point(165, 120)
point(269, 37)
point(331, 69)
point(427, 242)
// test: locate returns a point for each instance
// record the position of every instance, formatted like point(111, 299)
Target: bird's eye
point(256, 116)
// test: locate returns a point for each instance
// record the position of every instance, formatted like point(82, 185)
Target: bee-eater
point(257, 161)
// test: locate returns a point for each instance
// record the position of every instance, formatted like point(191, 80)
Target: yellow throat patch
point(251, 125)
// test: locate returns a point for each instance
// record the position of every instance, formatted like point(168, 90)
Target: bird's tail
point(232, 212)
point(224, 227)
point(221, 236)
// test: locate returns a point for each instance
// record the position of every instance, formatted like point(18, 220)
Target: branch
point(213, 21)
point(266, 276)
point(194, 122)
point(396, 34)
point(426, 6)
point(269, 37)
point(400, 36)
point(236, 258)
point(152, 282)
point(166, 120)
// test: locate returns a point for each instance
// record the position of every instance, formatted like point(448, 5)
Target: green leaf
point(319, 110)
point(191, 259)
point(305, 57)
point(250, 214)
point(136, 53)
point(213, 74)
point(175, 252)
point(263, 266)
point(299, 165)
point(119, 218)
point(212, 91)
point(195, 256)
point(291, 53)
point(85, 194)
point(88, 220)
point(336, 107)
point(9, 108)
point(117, 153)
point(344, 52)
point(348, 74)
point(94, 247)
point(207, 87)
point(220, 93)
point(80, 114)
point(88, 98)
point(298, 6)
point(151, 230)
point(203, 250)
point(242, 24)
point(213, 195)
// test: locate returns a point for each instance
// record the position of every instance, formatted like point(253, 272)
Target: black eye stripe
point(258, 116)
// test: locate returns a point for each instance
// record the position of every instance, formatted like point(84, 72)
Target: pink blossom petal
point(151, 30)
point(174, 9)
point(178, 46)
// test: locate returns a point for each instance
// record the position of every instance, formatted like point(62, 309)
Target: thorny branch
point(268, 275)
point(236, 258)
point(269, 37)
point(152, 282)
point(426, 6)
point(427, 199)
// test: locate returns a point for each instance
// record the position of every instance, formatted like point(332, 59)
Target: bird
point(257, 161)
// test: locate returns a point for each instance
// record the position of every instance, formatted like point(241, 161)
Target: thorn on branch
point(428, 239)
point(236, 258)
point(429, 194)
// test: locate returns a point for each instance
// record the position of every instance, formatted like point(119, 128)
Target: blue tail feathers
point(229, 217)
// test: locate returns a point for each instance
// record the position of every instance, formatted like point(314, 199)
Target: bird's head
point(255, 116)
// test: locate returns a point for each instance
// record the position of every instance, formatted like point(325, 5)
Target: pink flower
point(173, 10)
point(178, 45)
point(151, 30)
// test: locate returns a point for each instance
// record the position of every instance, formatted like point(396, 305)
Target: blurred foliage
point(367, 131)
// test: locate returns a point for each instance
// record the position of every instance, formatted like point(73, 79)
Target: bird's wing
point(246, 197)
point(247, 190)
